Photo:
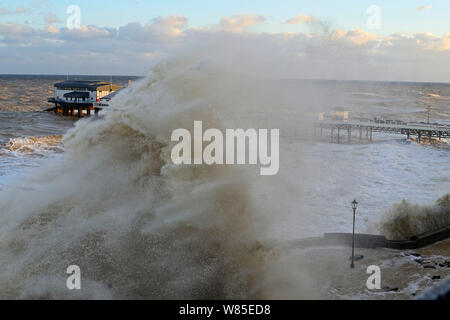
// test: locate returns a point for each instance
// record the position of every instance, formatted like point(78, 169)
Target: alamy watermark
point(374, 21)
point(74, 280)
point(74, 19)
point(374, 281)
point(237, 150)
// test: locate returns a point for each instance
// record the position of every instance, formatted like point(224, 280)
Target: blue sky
point(397, 15)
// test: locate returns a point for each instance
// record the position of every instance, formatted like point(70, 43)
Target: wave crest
point(404, 220)
point(138, 226)
point(34, 145)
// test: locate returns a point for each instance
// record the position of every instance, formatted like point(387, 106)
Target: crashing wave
point(404, 220)
point(34, 145)
point(137, 225)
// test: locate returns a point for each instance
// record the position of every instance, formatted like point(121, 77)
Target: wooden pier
point(341, 131)
point(73, 109)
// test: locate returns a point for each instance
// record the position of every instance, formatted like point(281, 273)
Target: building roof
point(87, 84)
point(76, 94)
point(111, 95)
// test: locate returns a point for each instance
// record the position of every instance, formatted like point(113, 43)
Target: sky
point(392, 40)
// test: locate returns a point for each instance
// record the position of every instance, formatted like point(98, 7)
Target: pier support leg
point(88, 111)
point(349, 134)
point(420, 135)
point(360, 134)
point(64, 110)
point(430, 135)
point(408, 134)
point(96, 110)
point(371, 134)
point(440, 136)
point(79, 112)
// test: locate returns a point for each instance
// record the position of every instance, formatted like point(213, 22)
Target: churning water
point(107, 197)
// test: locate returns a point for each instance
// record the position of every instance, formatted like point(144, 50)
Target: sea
point(27, 133)
point(99, 193)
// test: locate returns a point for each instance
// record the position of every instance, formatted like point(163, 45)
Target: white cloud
point(131, 49)
point(19, 10)
point(16, 30)
point(300, 18)
point(51, 18)
point(170, 26)
point(239, 22)
point(52, 29)
point(160, 29)
point(86, 33)
point(5, 11)
point(22, 10)
point(445, 43)
point(356, 36)
point(423, 8)
point(419, 41)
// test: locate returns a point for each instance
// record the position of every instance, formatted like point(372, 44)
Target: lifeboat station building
point(75, 97)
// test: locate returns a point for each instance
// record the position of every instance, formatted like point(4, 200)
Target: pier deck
point(72, 109)
point(366, 129)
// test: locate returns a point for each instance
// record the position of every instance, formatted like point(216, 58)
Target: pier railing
point(366, 129)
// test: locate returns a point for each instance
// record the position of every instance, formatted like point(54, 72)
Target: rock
point(416, 254)
point(429, 267)
point(388, 289)
point(436, 277)
point(422, 262)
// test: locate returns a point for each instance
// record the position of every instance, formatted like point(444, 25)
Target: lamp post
point(354, 206)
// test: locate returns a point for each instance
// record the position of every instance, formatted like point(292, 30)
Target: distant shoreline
point(279, 79)
point(70, 75)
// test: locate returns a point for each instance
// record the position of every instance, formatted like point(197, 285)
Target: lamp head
point(354, 204)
